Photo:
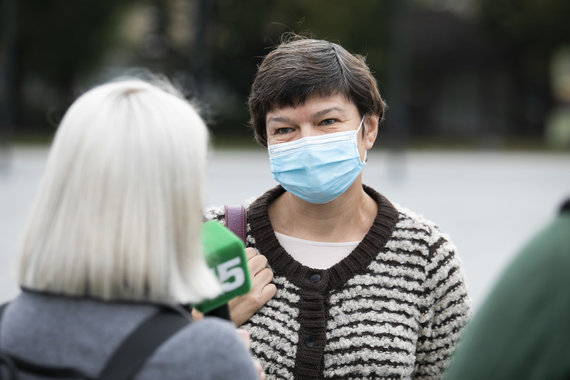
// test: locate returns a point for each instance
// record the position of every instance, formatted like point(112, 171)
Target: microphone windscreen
point(225, 255)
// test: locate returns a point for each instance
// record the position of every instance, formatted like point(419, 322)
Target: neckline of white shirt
point(316, 254)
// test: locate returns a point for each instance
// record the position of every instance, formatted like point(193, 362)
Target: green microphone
point(225, 255)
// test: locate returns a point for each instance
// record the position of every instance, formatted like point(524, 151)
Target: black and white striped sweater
point(393, 308)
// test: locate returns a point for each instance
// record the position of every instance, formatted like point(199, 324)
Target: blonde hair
point(119, 208)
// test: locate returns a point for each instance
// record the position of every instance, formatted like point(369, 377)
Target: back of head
point(299, 68)
point(118, 211)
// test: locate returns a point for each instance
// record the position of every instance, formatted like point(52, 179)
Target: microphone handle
point(222, 311)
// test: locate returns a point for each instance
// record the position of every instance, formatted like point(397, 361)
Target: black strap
point(141, 343)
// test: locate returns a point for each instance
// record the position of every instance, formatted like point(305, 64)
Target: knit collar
point(336, 276)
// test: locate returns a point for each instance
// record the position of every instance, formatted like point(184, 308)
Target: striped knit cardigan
point(393, 308)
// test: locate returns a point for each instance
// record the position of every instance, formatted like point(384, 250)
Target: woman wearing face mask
point(346, 284)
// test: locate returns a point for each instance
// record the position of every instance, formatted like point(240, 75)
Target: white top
point(316, 254)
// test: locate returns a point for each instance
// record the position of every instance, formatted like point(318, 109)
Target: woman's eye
point(283, 131)
point(328, 122)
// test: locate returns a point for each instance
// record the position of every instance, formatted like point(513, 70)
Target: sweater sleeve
point(445, 311)
point(209, 349)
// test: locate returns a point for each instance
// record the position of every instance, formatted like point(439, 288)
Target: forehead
point(313, 105)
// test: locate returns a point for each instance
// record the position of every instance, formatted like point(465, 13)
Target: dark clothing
point(522, 330)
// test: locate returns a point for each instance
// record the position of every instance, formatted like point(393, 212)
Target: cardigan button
point(314, 278)
point(310, 341)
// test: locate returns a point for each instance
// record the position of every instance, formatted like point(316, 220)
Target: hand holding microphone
point(262, 290)
point(243, 273)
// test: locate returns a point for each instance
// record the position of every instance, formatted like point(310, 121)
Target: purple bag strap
point(236, 220)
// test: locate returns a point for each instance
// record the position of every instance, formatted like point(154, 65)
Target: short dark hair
point(299, 68)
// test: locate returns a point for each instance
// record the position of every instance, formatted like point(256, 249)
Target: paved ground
point(488, 202)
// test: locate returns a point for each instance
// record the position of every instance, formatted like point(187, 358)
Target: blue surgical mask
point(319, 168)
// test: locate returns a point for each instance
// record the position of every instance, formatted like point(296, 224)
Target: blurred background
point(476, 137)
point(483, 73)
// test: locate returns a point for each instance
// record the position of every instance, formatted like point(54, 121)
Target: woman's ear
point(370, 131)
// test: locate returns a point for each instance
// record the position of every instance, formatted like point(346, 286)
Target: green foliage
point(61, 42)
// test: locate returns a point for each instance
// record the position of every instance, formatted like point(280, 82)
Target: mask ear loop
point(360, 125)
point(366, 151)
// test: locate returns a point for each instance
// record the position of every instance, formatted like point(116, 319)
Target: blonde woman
point(114, 237)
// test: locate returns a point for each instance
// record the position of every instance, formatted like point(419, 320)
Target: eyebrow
point(281, 119)
point(326, 111)
point(285, 119)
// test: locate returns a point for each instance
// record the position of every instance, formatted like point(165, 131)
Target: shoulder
point(530, 300)
point(410, 219)
point(565, 207)
point(545, 254)
point(211, 332)
point(417, 227)
point(554, 235)
point(208, 349)
point(407, 224)
point(442, 266)
point(215, 213)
